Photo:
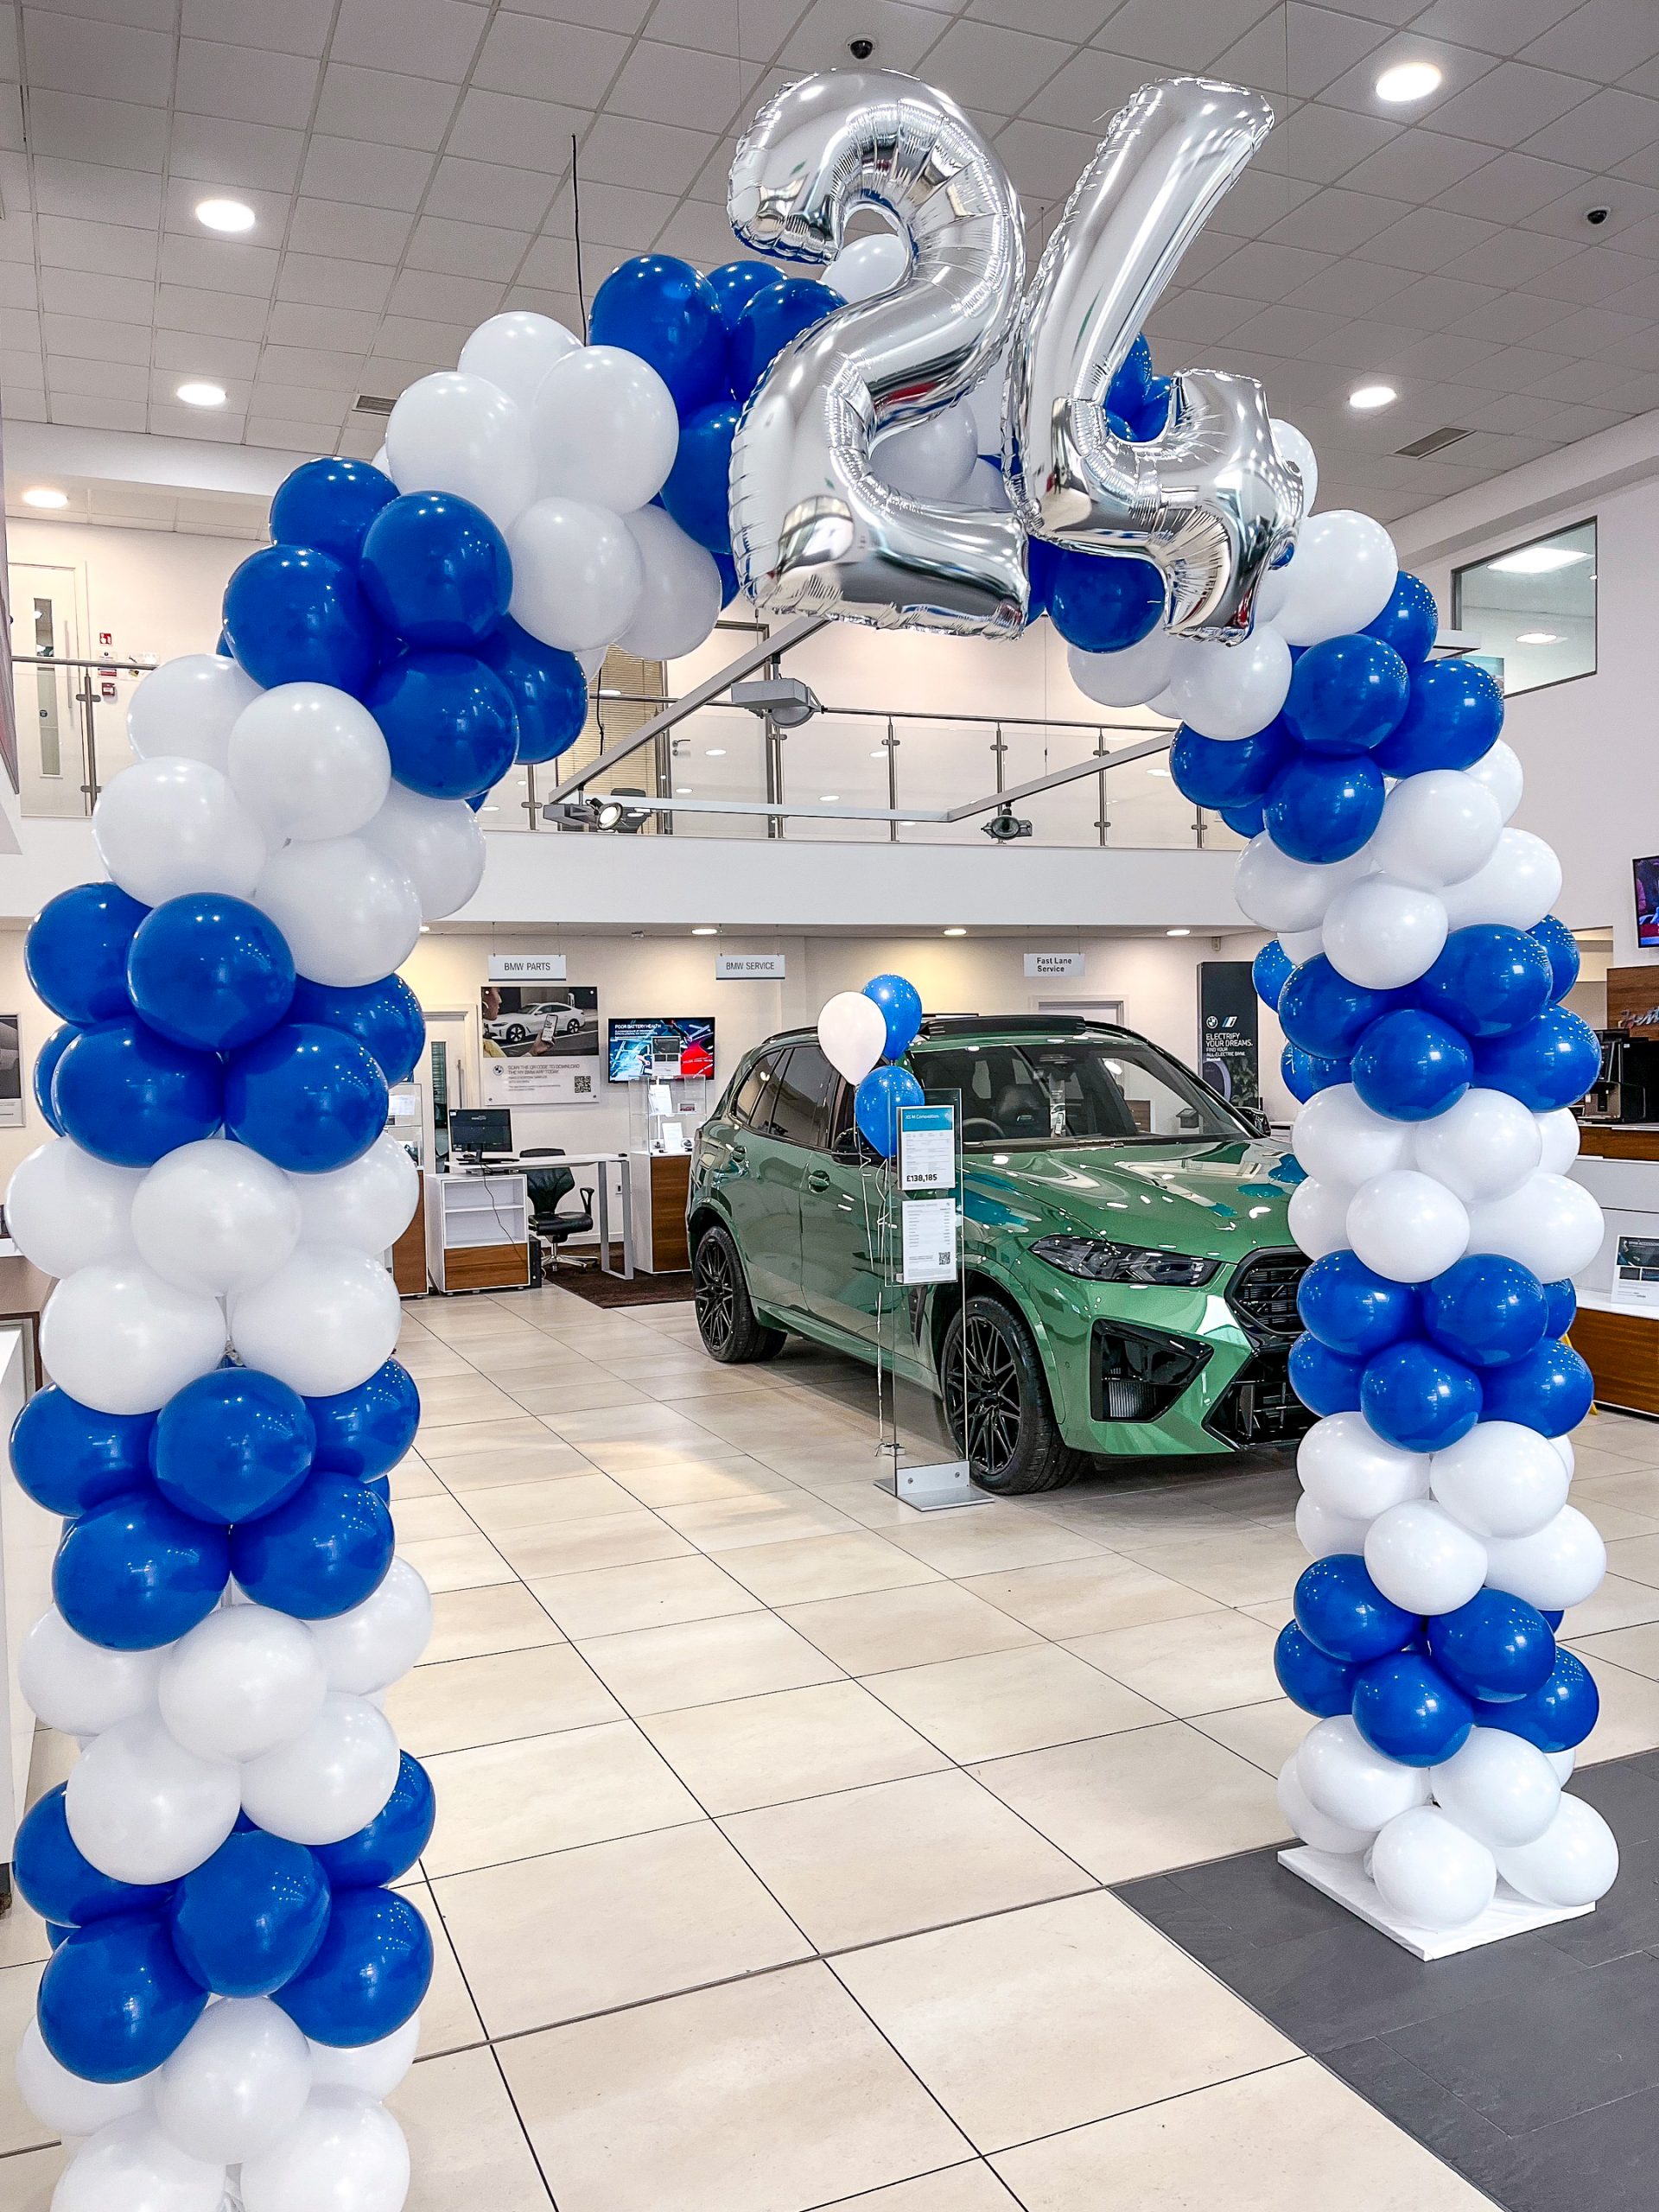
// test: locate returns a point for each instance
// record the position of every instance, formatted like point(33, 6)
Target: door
point(52, 764)
point(762, 1186)
point(444, 1075)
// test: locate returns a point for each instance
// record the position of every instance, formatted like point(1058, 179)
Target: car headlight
point(1097, 1259)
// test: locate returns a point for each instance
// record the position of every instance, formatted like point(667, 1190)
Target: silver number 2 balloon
point(1209, 500)
point(814, 530)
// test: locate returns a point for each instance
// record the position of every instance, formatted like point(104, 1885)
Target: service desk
point(1616, 1331)
point(660, 1185)
point(478, 1230)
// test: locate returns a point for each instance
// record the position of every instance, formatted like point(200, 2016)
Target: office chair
point(547, 1186)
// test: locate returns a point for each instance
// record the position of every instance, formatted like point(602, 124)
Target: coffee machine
point(1627, 1089)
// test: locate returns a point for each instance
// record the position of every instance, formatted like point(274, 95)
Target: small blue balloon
point(1418, 1398)
point(296, 615)
point(389, 1845)
point(366, 1431)
point(1104, 603)
point(435, 569)
point(1271, 970)
point(1352, 1310)
point(1405, 1708)
point(1559, 944)
point(1496, 1648)
point(1548, 1064)
point(662, 310)
point(735, 283)
point(1131, 385)
point(1151, 418)
point(1248, 819)
point(1487, 1311)
point(385, 1019)
point(1306, 1072)
point(1320, 1010)
point(729, 583)
point(1324, 808)
point(1346, 694)
point(70, 1458)
point(75, 952)
point(231, 1445)
point(1410, 622)
point(323, 1551)
point(210, 971)
point(329, 505)
point(1310, 1677)
point(252, 1916)
point(547, 689)
point(129, 1095)
point(1451, 718)
point(772, 318)
point(1412, 1065)
point(1218, 772)
point(1343, 1612)
point(901, 1004)
point(1562, 1300)
point(59, 1882)
point(1488, 980)
point(876, 1103)
point(1557, 1717)
point(1327, 1382)
point(369, 1974)
point(447, 721)
point(698, 491)
point(46, 1067)
point(306, 1097)
point(114, 2001)
point(135, 1572)
point(1550, 1389)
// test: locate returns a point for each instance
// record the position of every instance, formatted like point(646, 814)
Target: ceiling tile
point(91, 337)
point(1492, 26)
point(902, 35)
point(1359, 342)
point(1601, 40)
point(337, 329)
point(216, 79)
point(217, 427)
point(273, 430)
point(378, 176)
point(219, 265)
point(1322, 144)
point(666, 84)
point(1419, 166)
point(1460, 67)
point(616, 151)
point(388, 108)
point(1256, 203)
point(564, 307)
point(751, 28)
point(1508, 185)
point(20, 331)
point(524, 134)
point(164, 389)
point(1044, 162)
point(1510, 102)
point(1425, 239)
point(550, 61)
point(11, 118)
point(104, 249)
point(100, 414)
point(1601, 276)
point(217, 315)
point(72, 127)
point(141, 15)
point(700, 233)
point(1590, 380)
point(333, 227)
point(122, 299)
point(1196, 318)
point(1513, 368)
point(1589, 331)
point(1089, 91)
point(97, 379)
point(1509, 319)
point(434, 298)
point(613, 15)
point(1181, 37)
point(552, 263)
point(247, 155)
point(1261, 271)
point(311, 366)
point(411, 338)
point(1631, 208)
point(1350, 288)
point(429, 38)
point(1336, 220)
point(67, 54)
point(300, 403)
point(1433, 302)
point(1610, 126)
point(466, 249)
point(1282, 332)
point(1507, 258)
point(485, 191)
point(616, 214)
point(323, 281)
point(281, 26)
point(19, 286)
point(983, 64)
point(1297, 51)
point(1640, 298)
point(192, 353)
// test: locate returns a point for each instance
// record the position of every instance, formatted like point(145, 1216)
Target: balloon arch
point(919, 441)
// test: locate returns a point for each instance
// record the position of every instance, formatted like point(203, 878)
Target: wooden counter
point(1619, 1140)
point(1621, 1348)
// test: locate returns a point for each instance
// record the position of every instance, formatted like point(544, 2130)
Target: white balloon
point(463, 434)
point(237, 2082)
point(868, 267)
point(1557, 1566)
point(605, 430)
point(1294, 448)
point(933, 459)
point(1340, 578)
point(1417, 1554)
point(330, 1781)
point(185, 708)
point(321, 1322)
point(1499, 1787)
point(1281, 893)
point(131, 2166)
point(1430, 1872)
point(1548, 1223)
point(577, 576)
point(366, 1205)
point(123, 1339)
point(1322, 1533)
point(1561, 1764)
point(1317, 1830)
point(1573, 1862)
point(1383, 933)
point(345, 2153)
point(852, 1033)
point(68, 1209)
point(375, 2069)
point(1501, 1479)
point(1562, 1447)
point(436, 843)
point(1300, 946)
point(1437, 827)
point(67, 2103)
point(82, 1688)
point(214, 1216)
point(1318, 1215)
point(1345, 1466)
point(170, 826)
point(144, 1809)
point(1232, 691)
point(1340, 1139)
point(986, 490)
point(1347, 1781)
point(308, 760)
point(1499, 770)
point(1559, 1132)
point(1128, 678)
point(1407, 1226)
point(242, 1681)
point(349, 915)
point(515, 351)
point(680, 591)
point(1480, 1147)
point(1518, 885)
point(369, 1647)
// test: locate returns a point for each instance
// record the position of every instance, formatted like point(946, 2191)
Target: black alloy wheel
point(731, 1331)
point(996, 1402)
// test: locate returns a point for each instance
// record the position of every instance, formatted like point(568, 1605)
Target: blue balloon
point(296, 615)
point(662, 310)
point(901, 1004)
point(323, 1551)
point(1151, 418)
point(1559, 943)
point(385, 1849)
point(1411, 1066)
point(385, 1019)
point(1405, 1708)
point(59, 1882)
point(129, 1095)
point(1346, 694)
point(1496, 1648)
point(46, 1067)
point(1325, 808)
point(1550, 1389)
point(1218, 772)
point(697, 493)
point(774, 317)
point(1327, 1382)
point(135, 1572)
point(366, 1431)
point(1271, 970)
point(1352, 1310)
point(1131, 386)
point(1488, 979)
point(1102, 603)
point(1410, 622)
point(876, 1103)
point(435, 569)
point(252, 1916)
point(114, 2001)
point(1418, 1398)
point(447, 719)
point(330, 503)
point(1320, 1010)
point(1451, 718)
point(1306, 1072)
point(1557, 1717)
point(1248, 819)
point(1486, 1310)
point(1562, 1300)
point(546, 688)
point(1549, 1063)
point(729, 585)
point(1310, 1677)
point(369, 1974)
point(231, 1445)
point(308, 1098)
point(75, 952)
point(70, 1458)
point(735, 283)
point(210, 971)
point(1343, 1612)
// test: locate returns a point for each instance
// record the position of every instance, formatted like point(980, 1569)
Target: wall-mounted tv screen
point(1647, 901)
point(662, 1045)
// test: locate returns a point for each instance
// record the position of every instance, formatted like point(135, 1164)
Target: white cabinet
point(478, 1231)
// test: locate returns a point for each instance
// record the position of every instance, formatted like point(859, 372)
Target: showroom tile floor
point(778, 1821)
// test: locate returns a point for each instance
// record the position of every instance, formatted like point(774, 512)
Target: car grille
point(1259, 1406)
point(1262, 1292)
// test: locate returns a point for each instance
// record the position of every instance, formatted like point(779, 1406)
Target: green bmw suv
point(1128, 1282)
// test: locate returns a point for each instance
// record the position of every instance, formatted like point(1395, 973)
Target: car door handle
point(817, 1179)
point(738, 1154)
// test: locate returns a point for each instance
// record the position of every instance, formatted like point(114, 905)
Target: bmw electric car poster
point(539, 1044)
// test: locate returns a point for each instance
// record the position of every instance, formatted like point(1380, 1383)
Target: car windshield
point(1044, 1090)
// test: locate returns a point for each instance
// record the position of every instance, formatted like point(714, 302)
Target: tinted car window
point(804, 1093)
point(752, 1090)
point(1048, 1090)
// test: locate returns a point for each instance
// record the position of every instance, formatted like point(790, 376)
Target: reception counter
point(1616, 1330)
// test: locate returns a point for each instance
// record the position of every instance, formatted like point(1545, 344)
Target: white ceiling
point(410, 162)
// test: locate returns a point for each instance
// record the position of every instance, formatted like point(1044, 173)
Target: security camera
point(1597, 215)
point(1002, 828)
point(861, 49)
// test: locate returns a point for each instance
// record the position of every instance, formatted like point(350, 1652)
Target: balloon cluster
point(862, 1034)
point(1418, 976)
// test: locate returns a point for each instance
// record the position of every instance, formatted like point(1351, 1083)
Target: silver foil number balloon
point(1209, 500)
point(813, 529)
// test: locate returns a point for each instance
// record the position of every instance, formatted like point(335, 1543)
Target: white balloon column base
point(1343, 1879)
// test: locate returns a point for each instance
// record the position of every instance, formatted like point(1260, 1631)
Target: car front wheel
point(731, 1331)
point(996, 1402)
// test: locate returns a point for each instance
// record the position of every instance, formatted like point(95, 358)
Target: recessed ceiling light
point(682, 791)
point(198, 394)
point(879, 753)
point(1365, 397)
point(1407, 81)
point(45, 495)
point(230, 216)
point(1157, 771)
point(1177, 932)
point(1538, 638)
point(1537, 560)
point(829, 798)
point(714, 753)
point(705, 928)
point(956, 930)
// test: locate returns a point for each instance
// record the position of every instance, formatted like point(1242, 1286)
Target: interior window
point(805, 1091)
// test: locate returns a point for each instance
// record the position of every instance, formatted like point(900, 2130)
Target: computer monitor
point(481, 1130)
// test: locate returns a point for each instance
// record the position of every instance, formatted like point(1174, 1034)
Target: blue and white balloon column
point(864, 1034)
point(1418, 975)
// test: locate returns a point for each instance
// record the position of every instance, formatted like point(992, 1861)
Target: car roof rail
point(968, 1025)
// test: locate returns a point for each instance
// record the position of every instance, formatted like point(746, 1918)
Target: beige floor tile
point(1636, 1489)
point(1630, 1712)
point(621, 1539)
point(19, 2129)
point(411, 1477)
point(762, 1750)
point(430, 1360)
point(992, 1541)
point(999, 1703)
point(730, 1524)
point(467, 1624)
point(864, 1864)
point(879, 1629)
point(690, 1482)
point(457, 1562)
point(530, 1459)
point(553, 1939)
point(1141, 1801)
point(448, 1399)
point(826, 1567)
point(1619, 1603)
point(577, 1495)
point(420, 1520)
point(502, 1440)
point(618, 1428)
point(1636, 1649)
point(1052, 2017)
point(450, 2019)
point(684, 1383)
point(765, 2096)
point(1083, 1597)
point(1635, 1558)
point(703, 1663)
point(1246, 1566)
point(1198, 1665)
point(1289, 2135)
point(608, 1601)
point(1613, 1522)
point(548, 1793)
point(1265, 1734)
point(591, 1394)
point(463, 1703)
point(27, 2181)
point(466, 2145)
point(972, 2188)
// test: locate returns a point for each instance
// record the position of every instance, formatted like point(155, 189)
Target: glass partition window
point(1532, 608)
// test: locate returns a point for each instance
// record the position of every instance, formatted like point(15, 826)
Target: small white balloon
point(168, 826)
point(1281, 893)
point(1129, 678)
point(329, 1781)
point(131, 2166)
point(345, 2153)
point(1550, 1224)
point(852, 1033)
point(1482, 1147)
point(1499, 770)
point(577, 576)
point(1501, 1479)
point(1346, 1780)
point(213, 1216)
point(436, 843)
point(1383, 933)
point(1300, 946)
point(604, 428)
point(1423, 1559)
point(1430, 1872)
point(367, 1205)
point(1557, 1566)
point(680, 589)
point(515, 351)
point(238, 2080)
point(1317, 1830)
point(1437, 827)
point(123, 1339)
point(185, 709)
point(308, 760)
point(1323, 1532)
point(369, 1648)
point(1518, 885)
point(321, 1322)
point(80, 1687)
point(1499, 1787)
point(933, 459)
point(1232, 691)
point(1559, 1135)
point(1318, 1215)
point(1340, 1139)
point(1574, 1862)
point(868, 267)
point(463, 434)
point(1340, 579)
point(375, 2069)
point(1295, 448)
point(985, 488)
point(349, 915)
point(144, 1809)
point(66, 1209)
point(67, 2103)
point(242, 1681)
point(1345, 1466)
point(1407, 1226)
